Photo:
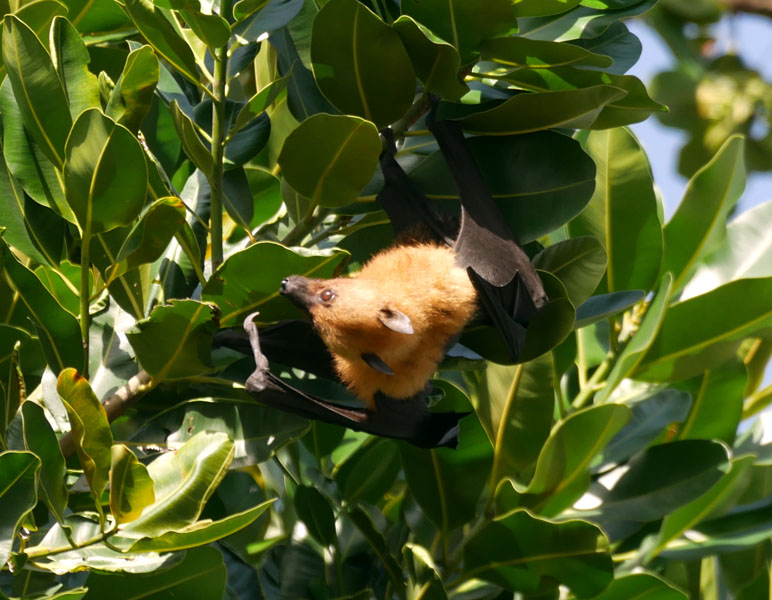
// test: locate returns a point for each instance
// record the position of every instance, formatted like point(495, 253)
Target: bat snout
point(295, 289)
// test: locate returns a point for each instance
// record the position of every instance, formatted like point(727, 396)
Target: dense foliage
point(164, 166)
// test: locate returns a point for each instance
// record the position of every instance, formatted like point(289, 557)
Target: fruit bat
point(385, 363)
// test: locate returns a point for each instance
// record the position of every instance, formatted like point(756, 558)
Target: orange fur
point(423, 282)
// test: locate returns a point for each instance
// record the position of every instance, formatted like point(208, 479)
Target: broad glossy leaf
point(90, 430)
point(599, 307)
point(58, 330)
point(623, 211)
point(370, 472)
point(651, 416)
point(376, 541)
point(160, 34)
point(38, 89)
point(515, 406)
point(698, 225)
point(131, 489)
point(183, 481)
point(191, 143)
point(701, 333)
point(632, 108)
point(552, 324)
point(262, 99)
point(463, 24)
point(265, 192)
point(314, 511)
point(133, 93)
point(267, 16)
point(655, 483)
point(238, 288)
point(539, 54)
point(447, 483)
point(39, 14)
point(531, 554)
point(200, 533)
point(643, 337)
point(746, 252)
point(360, 63)
point(18, 495)
point(581, 22)
point(71, 59)
point(436, 63)
point(718, 403)
point(616, 42)
point(41, 439)
point(176, 339)
point(425, 581)
point(330, 158)
point(539, 180)
point(578, 262)
point(687, 516)
point(543, 8)
point(640, 585)
point(150, 236)
point(562, 470)
point(212, 29)
point(523, 113)
point(201, 574)
point(105, 175)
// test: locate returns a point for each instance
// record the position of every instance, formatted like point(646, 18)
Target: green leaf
point(314, 511)
point(640, 585)
point(18, 495)
point(175, 341)
point(599, 307)
point(133, 92)
point(539, 180)
point(562, 471)
point(552, 324)
point(530, 554)
point(718, 403)
point(41, 439)
point(360, 64)
point(523, 113)
point(200, 533)
point(623, 211)
point(616, 42)
point(238, 289)
point(148, 239)
point(376, 541)
point(463, 24)
point(636, 348)
point(688, 342)
point(58, 331)
point(201, 574)
point(656, 482)
point(632, 108)
point(424, 579)
point(369, 473)
point(578, 262)
point(71, 59)
point(543, 8)
point(39, 14)
point(515, 406)
point(447, 483)
point(191, 143)
point(26, 162)
point(539, 54)
point(436, 63)
point(131, 489)
point(745, 253)
point(330, 158)
point(105, 175)
point(90, 430)
point(160, 34)
point(698, 225)
point(183, 481)
point(262, 99)
point(687, 516)
point(37, 87)
point(211, 29)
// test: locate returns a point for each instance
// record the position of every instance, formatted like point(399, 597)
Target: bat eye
point(327, 295)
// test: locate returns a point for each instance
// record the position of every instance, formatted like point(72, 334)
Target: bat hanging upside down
point(388, 326)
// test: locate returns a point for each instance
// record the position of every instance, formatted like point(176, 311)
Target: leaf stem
point(305, 225)
point(592, 385)
point(102, 537)
point(218, 143)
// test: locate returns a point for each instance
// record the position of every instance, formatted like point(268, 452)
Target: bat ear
point(395, 320)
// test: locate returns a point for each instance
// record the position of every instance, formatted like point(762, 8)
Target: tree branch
point(757, 7)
